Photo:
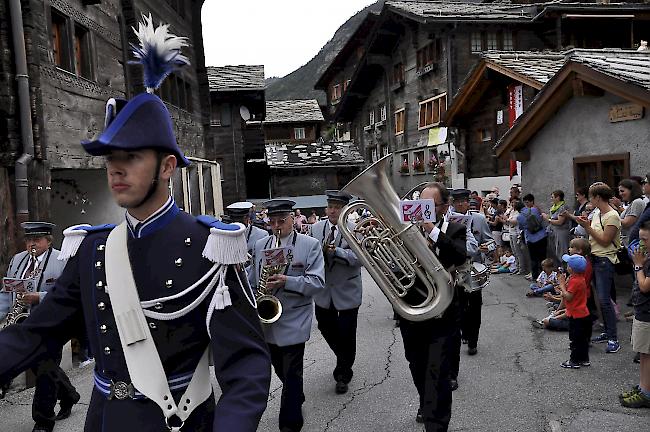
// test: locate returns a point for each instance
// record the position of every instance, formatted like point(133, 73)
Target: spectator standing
point(630, 206)
point(582, 200)
point(300, 221)
point(645, 216)
point(494, 220)
point(530, 221)
point(313, 218)
point(559, 224)
point(574, 295)
point(475, 196)
point(517, 242)
point(639, 396)
point(604, 237)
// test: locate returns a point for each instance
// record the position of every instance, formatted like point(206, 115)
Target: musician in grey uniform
point(471, 302)
point(337, 306)
point(39, 263)
point(302, 278)
point(240, 212)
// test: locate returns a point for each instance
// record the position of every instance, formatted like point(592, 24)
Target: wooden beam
point(378, 59)
point(577, 86)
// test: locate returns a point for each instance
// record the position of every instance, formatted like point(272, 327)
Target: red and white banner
point(515, 102)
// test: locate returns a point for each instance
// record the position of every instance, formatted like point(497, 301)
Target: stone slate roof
point(317, 154)
point(540, 67)
point(628, 66)
point(461, 11)
point(236, 78)
point(293, 111)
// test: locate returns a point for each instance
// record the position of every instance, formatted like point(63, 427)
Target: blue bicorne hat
point(144, 122)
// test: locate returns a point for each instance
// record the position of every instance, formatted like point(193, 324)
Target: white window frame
point(492, 41)
point(382, 113)
point(476, 42)
point(299, 133)
point(508, 41)
point(373, 154)
point(371, 116)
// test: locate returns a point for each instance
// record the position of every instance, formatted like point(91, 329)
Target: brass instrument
point(269, 308)
point(327, 244)
point(20, 310)
point(395, 253)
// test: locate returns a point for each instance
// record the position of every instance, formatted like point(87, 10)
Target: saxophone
point(269, 308)
point(20, 310)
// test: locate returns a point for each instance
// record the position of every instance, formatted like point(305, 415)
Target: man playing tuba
point(300, 278)
point(428, 344)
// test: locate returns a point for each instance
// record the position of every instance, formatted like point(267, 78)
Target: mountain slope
point(300, 83)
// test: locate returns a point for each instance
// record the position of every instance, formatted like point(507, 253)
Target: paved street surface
point(513, 384)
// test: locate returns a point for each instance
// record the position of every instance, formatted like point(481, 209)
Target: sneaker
point(612, 346)
point(601, 338)
point(529, 277)
point(637, 400)
point(570, 365)
point(629, 393)
point(585, 363)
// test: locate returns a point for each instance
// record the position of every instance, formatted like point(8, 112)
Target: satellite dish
point(244, 113)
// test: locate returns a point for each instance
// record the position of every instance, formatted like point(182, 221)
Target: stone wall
point(582, 128)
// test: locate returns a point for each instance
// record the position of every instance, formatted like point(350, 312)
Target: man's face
point(461, 205)
point(333, 211)
point(644, 236)
point(130, 175)
point(434, 194)
point(529, 204)
point(40, 244)
point(282, 222)
point(646, 187)
point(298, 213)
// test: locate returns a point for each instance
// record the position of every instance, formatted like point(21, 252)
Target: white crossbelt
point(142, 358)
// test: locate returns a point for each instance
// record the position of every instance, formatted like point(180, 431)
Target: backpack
point(533, 224)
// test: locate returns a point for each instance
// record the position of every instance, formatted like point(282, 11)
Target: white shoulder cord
point(150, 303)
point(215, 302)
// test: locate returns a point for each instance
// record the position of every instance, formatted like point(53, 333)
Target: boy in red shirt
point(574, 293)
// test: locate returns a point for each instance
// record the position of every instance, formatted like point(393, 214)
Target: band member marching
point(470, 301)
point(157, 293)
point(39, 263)
point(337, 306)
point(293, 283)
point(429, 344)
point(240, 212)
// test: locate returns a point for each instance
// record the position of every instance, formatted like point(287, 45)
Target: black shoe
point(418, 416)
point(472, 351)
point(66, 406)
point(341, 387)
point(42, 428)
point(453, 383)
point(637, 358)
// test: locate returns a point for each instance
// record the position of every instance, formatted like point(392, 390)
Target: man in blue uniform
point(39, 263)
point(155, 293)
point(429, 345)
point(294, 284)
point(337, 306)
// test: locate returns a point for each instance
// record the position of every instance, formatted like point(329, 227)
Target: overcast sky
point(280, 34)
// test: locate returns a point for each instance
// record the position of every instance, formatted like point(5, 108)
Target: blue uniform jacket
point(164, 261)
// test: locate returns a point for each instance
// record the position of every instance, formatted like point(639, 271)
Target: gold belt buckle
point(121, 390)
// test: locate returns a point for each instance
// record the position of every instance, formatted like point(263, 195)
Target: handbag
point(624, 264)
point(505, 236)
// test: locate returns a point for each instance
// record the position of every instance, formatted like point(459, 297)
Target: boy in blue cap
point(574, 293)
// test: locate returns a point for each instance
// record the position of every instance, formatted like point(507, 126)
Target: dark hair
point(558, 193)
point(645, 226)
point(503, 203)
point(600, 189)
point(528, 197)
point(444, 192)
point(519, 205)
point(634, 187)
point(582, 190)
point(637, 179)
point(548, 262)
point(474, 193)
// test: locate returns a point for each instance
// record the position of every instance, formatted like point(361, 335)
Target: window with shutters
point(492, 43)
point(82, 52)
point(299, 133)
point(432, 110)
point(427, 56)
point(397, 75)
point(476, 42)
point(508, 44)
point(60, 49)
point(400, 116)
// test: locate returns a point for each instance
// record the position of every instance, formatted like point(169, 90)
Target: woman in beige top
point(604, 232)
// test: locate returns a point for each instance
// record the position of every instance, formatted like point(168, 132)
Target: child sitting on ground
point(546, 281)
point(574, 295)
point(508, 262)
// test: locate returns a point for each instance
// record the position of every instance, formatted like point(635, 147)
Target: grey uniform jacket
point(253, 235)
point(305, 277)
point(342, 271)
point(482, 233)
point(52, 269)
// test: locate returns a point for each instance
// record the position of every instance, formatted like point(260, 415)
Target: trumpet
point(269, 308)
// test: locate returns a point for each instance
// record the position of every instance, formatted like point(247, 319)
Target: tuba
point(269, 308)
point(395, 253)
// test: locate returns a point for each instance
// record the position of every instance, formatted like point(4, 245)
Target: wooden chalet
point(397, 75)
point(588, 123)
point(293, 121)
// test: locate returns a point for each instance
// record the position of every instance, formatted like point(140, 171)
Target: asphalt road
point(515, 383)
